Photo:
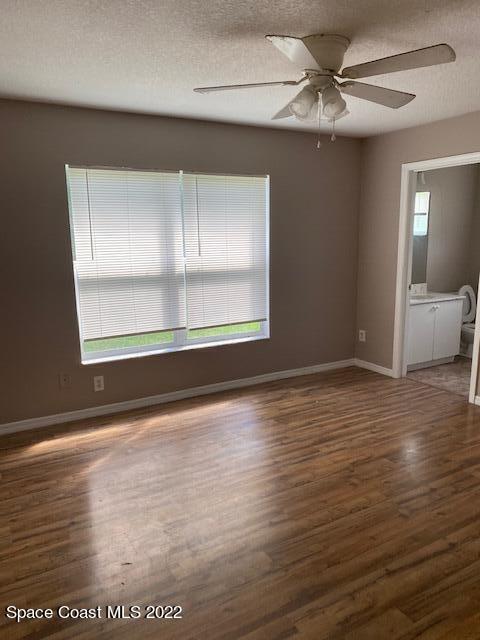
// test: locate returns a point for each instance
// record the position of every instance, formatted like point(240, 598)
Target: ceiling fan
point(320, 58)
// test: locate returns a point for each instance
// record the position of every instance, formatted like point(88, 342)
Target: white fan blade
point(283, 113)
point(427, 57)
point(229, 87)
point(380, 95)
point(295, 50)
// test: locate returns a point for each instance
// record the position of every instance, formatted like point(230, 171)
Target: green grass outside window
point(166, 337)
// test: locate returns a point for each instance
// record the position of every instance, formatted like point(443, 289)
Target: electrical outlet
point(98, 383)
point(64, 380)
point(362, 335)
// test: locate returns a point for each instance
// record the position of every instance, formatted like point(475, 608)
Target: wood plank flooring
point(342, 505)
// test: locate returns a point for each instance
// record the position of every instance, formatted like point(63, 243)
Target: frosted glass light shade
point(333, 103)
point(302, 104)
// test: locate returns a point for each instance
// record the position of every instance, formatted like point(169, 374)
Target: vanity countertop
point(432, 296)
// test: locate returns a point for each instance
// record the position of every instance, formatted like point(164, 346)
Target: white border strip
point(117, 407)
point(371, 366)
point(472, 393)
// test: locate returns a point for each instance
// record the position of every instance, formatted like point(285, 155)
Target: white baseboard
point(363, 364)
point(138, 403)
point(476, 400)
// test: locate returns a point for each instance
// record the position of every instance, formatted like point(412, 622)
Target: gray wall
point(382, 157)
point(452, 207)
point(314, 201)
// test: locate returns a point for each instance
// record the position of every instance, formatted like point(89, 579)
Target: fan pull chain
point(319, 113)
point(333, 136)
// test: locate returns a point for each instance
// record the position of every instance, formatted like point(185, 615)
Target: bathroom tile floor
point(454, 376)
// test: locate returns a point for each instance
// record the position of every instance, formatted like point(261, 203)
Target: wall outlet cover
point(98, 383)
point(362, 335)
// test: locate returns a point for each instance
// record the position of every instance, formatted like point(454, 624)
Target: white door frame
point(404, 261)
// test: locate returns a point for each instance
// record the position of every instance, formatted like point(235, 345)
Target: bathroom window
point(166, 261)
point(420, 218)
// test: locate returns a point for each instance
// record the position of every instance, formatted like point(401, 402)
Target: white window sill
point(170, 349)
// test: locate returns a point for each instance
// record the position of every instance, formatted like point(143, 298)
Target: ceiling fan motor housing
point(328, 50)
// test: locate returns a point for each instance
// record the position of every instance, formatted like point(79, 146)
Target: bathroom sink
point(418, 298)
point(423, 296)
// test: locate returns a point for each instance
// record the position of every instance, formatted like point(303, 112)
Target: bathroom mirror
point(420, 237)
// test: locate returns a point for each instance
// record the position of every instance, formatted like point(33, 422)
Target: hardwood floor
point(343, 505)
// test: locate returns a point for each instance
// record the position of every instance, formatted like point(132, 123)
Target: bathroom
point(444, 277)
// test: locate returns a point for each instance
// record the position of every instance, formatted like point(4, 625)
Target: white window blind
point(168, 252)
point(225, 248)
point(128, 251)
point(420, 218)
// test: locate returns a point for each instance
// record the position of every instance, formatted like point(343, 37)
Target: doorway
point(430, 333)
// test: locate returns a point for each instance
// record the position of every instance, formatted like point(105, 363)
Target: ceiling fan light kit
point(302, 104)
point(333, 103)
point(320, 59)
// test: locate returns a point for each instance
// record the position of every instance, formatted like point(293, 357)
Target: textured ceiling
point(147, 55)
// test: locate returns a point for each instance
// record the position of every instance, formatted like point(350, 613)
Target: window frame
point(180, 341)
point(421, 213)
point(110, 355)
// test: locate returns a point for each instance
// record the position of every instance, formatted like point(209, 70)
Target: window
point(420, 218)
point(167, 260)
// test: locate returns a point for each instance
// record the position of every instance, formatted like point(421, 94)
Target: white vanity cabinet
point(434, 328)
point(421, 327)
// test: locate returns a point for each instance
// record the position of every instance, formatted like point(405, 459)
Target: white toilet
point(468, 320)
